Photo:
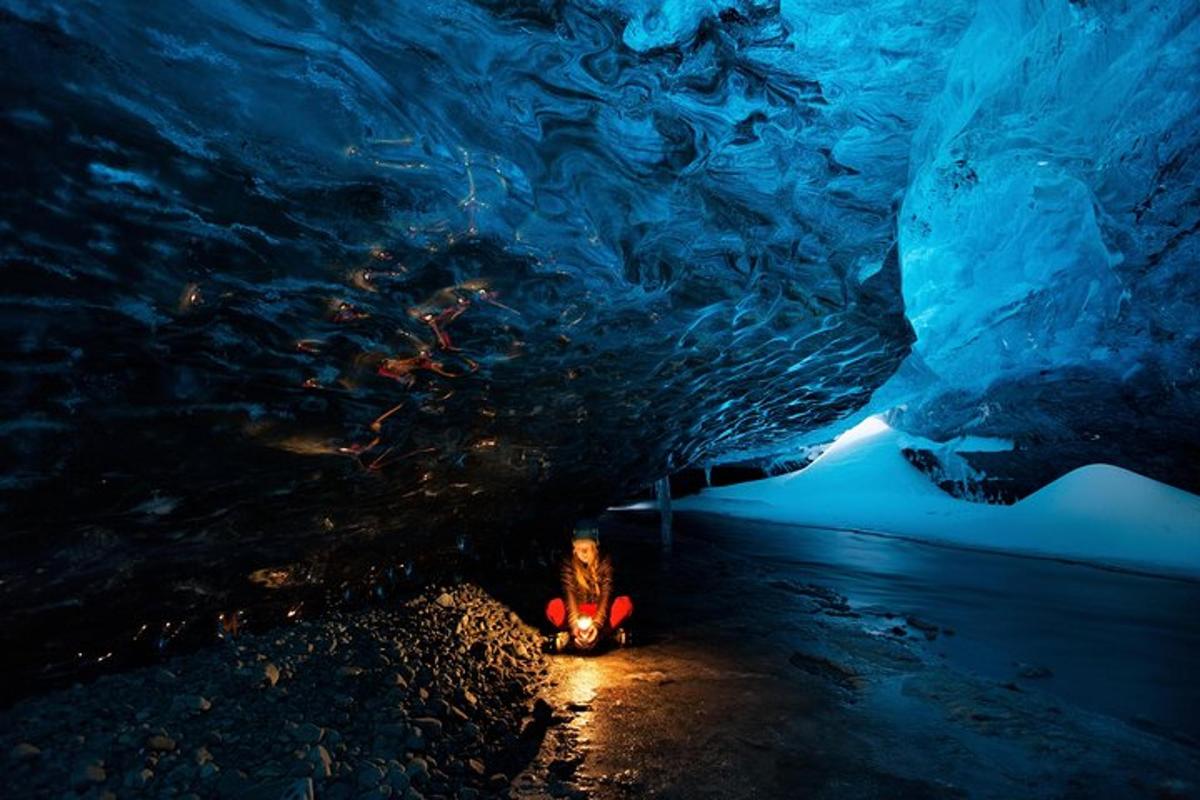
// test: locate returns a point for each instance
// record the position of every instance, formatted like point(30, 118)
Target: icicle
point(662, 488)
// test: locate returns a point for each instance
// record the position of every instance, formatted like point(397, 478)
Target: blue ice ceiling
point(1048, 237)
point(399, 264)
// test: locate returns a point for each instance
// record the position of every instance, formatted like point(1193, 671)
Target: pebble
point(397, 778)
point(24, 751)
point(161, 742)
point(308, 733)
point(191, 702)
point(136, 780)
point(431, 726)
point(89, 773)
point(270, 674)
point(368, 774)
point(322, 761)
point(362, 738)
point(417, 768)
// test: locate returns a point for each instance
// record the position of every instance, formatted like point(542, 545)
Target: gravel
point(426, 699)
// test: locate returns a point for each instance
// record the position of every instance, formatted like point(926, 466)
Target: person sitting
point(583, 615)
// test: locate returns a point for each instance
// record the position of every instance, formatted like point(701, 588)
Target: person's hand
point(586, 637)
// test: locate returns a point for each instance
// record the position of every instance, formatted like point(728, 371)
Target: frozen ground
point(824, 665)
point(1098, 513)
point(839, 666)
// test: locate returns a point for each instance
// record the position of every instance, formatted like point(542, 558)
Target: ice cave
point(600, 399)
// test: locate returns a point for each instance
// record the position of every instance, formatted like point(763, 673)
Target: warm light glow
point(585, 623)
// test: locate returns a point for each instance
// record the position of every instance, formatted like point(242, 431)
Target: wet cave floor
point(752, 675)
point(767, 662)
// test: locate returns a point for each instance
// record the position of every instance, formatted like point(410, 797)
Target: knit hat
point(587, 529)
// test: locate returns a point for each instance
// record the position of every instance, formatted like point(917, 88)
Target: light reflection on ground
point(581, 679)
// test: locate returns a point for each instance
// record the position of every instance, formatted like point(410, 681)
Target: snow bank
point(1097, 513)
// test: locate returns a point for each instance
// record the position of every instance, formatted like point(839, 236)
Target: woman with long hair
point(587, 612)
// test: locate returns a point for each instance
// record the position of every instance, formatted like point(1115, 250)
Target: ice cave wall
point(670, 231)
point(1048, 240)
point(1048, 247)
point(677, 233)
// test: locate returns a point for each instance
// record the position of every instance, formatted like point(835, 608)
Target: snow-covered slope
point(1097, 513)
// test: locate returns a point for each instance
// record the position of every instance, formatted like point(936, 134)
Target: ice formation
point(282, 278)
point(1047, 238)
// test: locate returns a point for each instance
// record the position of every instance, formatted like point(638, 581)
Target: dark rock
point(161, 742)
point(431, 726)
point(398, 778)
point(140, 778)
point(308, 733)
point(828, 669)
point(368, 775)
point(928, 629)
point(24, 751)
point(232, 783)
point(89, 774)
point(321, 760)
point(417, 770)
point(192, 703)
point(270, 674)
point(1033, 671)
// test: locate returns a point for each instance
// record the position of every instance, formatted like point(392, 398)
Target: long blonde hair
point(587, 576)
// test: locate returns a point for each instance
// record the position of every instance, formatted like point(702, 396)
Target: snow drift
point(1097, 513)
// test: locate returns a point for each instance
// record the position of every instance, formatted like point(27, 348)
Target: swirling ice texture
point(671, 227)
point(1048, 240)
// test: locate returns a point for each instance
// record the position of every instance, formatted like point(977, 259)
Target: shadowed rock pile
point(432, 699)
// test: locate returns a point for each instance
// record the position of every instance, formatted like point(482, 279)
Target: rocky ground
point(435, 698)
point(748, 678)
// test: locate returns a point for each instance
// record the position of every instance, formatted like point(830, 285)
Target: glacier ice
point(338, 274)
point(1047, 236)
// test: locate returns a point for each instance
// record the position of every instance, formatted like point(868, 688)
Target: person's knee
point(622, 607)
point(556, 611)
